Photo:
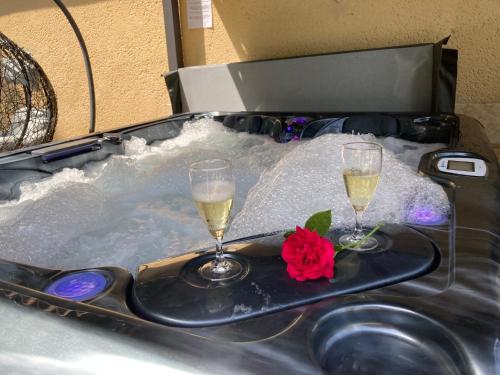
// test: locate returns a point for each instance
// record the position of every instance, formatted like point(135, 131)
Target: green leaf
point(320, 222)
point(288, 233)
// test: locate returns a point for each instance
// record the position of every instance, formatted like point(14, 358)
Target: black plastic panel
point(171, 292)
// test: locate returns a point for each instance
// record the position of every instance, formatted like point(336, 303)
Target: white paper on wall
point(199, 14)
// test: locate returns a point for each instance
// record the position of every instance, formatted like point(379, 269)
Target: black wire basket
point(28, 105)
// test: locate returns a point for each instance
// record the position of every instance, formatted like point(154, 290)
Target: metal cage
point(28, 105)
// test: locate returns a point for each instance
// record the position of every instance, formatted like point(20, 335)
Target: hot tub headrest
point(378, 125)
point(254, 124)
point(286, 128)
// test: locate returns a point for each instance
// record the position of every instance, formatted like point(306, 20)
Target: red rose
point(309, 256)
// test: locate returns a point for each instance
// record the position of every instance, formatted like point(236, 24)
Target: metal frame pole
point(173, 34)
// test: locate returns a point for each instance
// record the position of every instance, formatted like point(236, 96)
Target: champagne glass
point(212, 187)
point(362, 163)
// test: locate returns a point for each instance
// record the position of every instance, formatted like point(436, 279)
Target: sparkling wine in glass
point(212, 187)
point(362, 163)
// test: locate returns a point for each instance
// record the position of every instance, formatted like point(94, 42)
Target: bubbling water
point(137, 207)
point(309, 179)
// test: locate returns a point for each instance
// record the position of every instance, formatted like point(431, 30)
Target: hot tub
point(426, 301)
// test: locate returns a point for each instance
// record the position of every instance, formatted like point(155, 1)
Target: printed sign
point(199, 14)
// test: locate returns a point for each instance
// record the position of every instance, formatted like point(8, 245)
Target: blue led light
point(78, 286)
point(425, 215)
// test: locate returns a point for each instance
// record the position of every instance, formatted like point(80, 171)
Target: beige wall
point(126, 43)
point(258, 29)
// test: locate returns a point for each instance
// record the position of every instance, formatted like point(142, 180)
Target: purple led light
point(425, 215)
point(300, 120)
point(297, 121)
point(78, 286)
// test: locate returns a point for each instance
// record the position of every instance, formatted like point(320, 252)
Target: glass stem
point(358, 228)
point(219, 252)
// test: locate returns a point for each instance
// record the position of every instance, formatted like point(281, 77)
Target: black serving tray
point(171, 292)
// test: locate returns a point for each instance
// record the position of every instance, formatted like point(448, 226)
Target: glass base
point(368, 244)
point(225, 270)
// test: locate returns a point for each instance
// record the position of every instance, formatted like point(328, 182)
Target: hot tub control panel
point(465, 166)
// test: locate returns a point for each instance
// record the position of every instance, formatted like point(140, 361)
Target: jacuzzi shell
point(455, 307)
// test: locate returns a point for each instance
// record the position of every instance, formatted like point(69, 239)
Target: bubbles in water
point(309, 179)
point(128, 209)
point(134, 208)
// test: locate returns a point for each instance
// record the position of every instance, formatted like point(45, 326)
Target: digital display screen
point(461, 166)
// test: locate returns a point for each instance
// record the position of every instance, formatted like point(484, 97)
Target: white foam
point(309, 179)
point(63, 179)
point(134, 208)
point(131, 208)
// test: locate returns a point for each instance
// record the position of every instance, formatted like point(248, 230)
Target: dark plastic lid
point(171, 292)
